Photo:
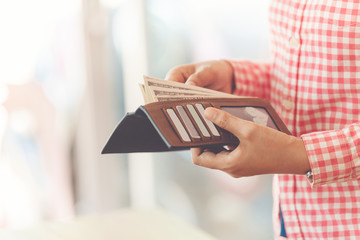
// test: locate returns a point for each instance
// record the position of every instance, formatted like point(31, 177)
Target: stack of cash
point(158, 90)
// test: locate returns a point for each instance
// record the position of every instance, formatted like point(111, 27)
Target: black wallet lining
point(136, 133)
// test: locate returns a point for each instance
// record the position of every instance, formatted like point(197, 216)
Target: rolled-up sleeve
point(334, 155)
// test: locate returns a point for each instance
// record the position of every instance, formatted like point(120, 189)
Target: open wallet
point(181, 125)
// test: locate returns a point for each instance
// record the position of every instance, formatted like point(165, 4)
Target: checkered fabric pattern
point(313, 82)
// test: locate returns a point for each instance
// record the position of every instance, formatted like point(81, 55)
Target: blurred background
point(69, 71)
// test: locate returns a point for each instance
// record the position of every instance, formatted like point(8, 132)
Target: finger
point(216, 149)
point(196, 151)
point(180, 73)
point(201, 78)
point(227, 121)
point(230, 147)
point(208, 159)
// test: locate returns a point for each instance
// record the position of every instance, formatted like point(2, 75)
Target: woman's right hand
point(217, 75)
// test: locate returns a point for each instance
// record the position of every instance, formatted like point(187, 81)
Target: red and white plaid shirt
point(313, 82)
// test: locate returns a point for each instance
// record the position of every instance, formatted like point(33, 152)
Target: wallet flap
point(135, 133)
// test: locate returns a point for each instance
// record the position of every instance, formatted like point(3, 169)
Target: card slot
point(211, 126)
point(188, 123)
point(177, 125)
point(198, 122)
point(202, 137)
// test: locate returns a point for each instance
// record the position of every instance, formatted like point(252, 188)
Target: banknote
point(160, 91)
point(155, 89)
point(182, 97)
point(156, 82)
point(145, 96)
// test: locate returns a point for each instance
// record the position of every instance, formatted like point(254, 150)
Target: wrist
point(229, 71)
point(301, 160)
point(295, 159)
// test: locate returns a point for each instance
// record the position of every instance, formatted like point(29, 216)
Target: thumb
point(197, 79)
point(224, 120)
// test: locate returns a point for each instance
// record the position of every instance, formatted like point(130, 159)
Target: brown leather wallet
point(180, 125)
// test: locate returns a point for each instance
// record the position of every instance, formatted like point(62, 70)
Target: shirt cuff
point(329, 156)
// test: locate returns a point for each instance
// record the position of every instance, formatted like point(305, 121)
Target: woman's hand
point(261, 150)
point(217, 75)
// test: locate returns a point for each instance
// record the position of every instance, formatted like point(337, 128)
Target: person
point(313, 82)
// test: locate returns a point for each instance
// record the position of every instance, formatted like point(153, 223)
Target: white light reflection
point(25, 27)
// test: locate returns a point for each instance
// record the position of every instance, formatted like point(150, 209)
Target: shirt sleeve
point(251, 79)
point(334, 155)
